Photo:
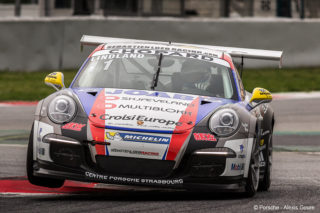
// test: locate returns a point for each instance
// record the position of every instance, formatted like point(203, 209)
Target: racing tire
point(264, 185)
point(39, 181)
point(252, 182)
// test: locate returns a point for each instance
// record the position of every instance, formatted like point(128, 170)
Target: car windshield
point(127, 69)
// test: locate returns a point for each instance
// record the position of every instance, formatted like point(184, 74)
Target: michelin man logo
point(115, 136)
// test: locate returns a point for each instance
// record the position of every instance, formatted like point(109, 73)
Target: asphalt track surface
point(295, 176)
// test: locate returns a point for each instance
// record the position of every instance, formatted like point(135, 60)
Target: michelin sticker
point(116, 136)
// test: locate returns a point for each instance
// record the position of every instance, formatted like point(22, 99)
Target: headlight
point(224, 122)
point(62, 109)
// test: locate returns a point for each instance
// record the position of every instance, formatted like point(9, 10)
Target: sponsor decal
point(157, 50)
point(241, 151)
point(140, 118)
point(204, 137)
point(39, 135)
point(237, 166)
point(151, 93)
point(160, 48)
point(153, 108)
point(140, 123)
point(118, 179)
point(241, 148)
point(73, 126)
point(241, 156)
point(264, 92)
point(146, 138)
point(136, 53)
point(135, 152)
point(264, 108)
point(110, 98)
point(110, 106)
point(114, 56)
point(261, 142)
point(41, 151)
point(157, 101)
point(52, 75)
point(116, 136)
point(265, 133)
point(245, 127)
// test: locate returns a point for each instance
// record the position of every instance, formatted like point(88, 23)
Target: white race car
point(156, 114)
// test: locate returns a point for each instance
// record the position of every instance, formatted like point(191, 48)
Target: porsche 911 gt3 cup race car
point(150, 113)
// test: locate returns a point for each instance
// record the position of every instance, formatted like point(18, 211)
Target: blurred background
point(41, 36)
point(176, 8)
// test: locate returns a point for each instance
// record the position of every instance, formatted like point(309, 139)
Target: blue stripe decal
point(139, 130)
point(206, 109)
point(87, 100)
point(236, 83)
point(165, 154)
point(107, 152)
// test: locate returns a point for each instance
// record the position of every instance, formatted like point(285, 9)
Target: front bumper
point(71, 160)
point(45, 169)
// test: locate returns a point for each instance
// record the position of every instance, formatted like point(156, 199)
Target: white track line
point(295, 95)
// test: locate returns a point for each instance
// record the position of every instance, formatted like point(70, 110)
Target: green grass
point(282, 80)
point(30, 85)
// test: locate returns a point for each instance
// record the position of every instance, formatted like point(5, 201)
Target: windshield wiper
point(156, 75)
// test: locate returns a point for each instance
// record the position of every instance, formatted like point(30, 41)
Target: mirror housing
point(55, 80)
point(260, 96)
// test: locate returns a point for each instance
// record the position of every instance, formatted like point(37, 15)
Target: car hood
point(145, 111)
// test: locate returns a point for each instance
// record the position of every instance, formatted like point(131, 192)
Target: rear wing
point(233, 51)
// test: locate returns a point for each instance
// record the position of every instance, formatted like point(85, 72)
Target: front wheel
point(39, 181)
point(253, 174)
point(264, 185)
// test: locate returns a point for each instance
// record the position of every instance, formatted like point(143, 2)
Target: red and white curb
point(295, 95)
point(18, 103)
point(21, 186)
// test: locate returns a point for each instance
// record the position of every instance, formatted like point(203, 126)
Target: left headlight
point(62, 109)
point(224, 122)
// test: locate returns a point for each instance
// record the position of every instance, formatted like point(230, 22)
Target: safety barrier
point(53, 43)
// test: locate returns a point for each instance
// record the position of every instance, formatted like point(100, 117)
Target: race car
point(157, 114)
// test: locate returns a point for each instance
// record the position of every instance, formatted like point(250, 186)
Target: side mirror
point(260, 96)
point(55, 80)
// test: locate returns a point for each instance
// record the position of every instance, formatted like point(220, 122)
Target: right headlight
point(62, 109)
point(224, 122)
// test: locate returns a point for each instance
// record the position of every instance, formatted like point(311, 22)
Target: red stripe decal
point(18, 103)
point(229, 60)
point(178, 140)
point(98, 133)
point(100, 47)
